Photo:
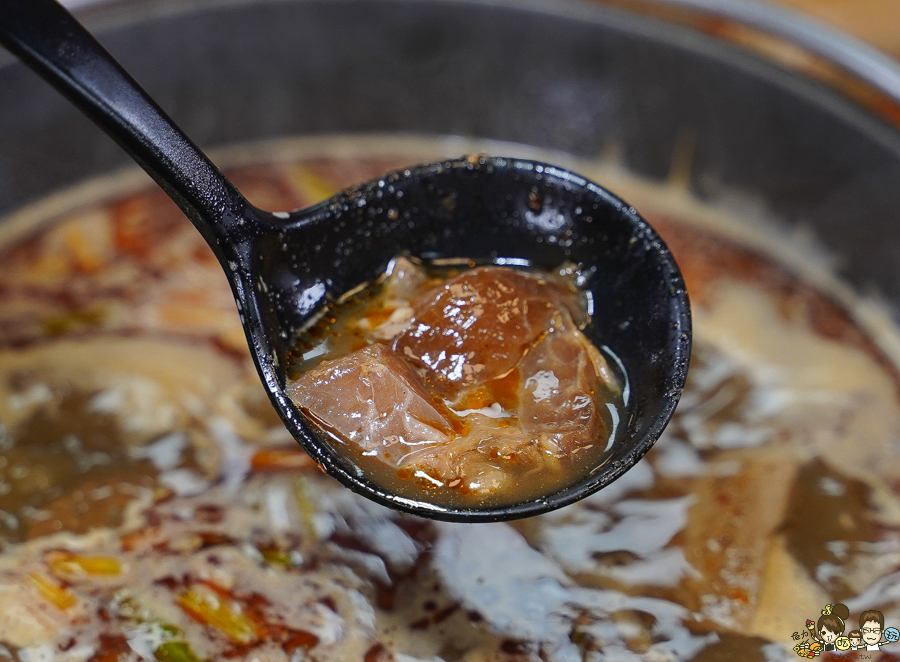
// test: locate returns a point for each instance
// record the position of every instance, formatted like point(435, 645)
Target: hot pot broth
point(153, 505)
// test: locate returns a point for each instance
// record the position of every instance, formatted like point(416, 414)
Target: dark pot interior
point(570, 77)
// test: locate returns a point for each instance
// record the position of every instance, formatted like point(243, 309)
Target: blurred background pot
point(795, 118)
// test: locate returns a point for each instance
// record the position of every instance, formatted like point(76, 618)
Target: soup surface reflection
point(153, 507)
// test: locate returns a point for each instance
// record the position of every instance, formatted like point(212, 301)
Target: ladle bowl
point(283, 267)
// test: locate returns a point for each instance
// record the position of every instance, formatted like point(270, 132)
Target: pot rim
point(851, 54)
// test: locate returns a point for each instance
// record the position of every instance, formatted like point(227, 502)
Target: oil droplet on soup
point(462, 386)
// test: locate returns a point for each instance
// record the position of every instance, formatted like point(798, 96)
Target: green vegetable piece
point(60, 324)
point(171, 630)
point(277, 557)
point(176, 651)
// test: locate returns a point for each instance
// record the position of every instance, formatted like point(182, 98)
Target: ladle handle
point(47, 38)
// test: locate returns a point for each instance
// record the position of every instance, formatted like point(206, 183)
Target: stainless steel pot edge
point(851, 53)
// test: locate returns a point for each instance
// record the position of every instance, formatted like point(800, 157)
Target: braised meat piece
point(373, 400)
point(477, 326)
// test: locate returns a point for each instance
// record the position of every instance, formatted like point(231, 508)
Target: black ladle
point(284, 268)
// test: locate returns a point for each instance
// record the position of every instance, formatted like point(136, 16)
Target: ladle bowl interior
point(486, 210)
